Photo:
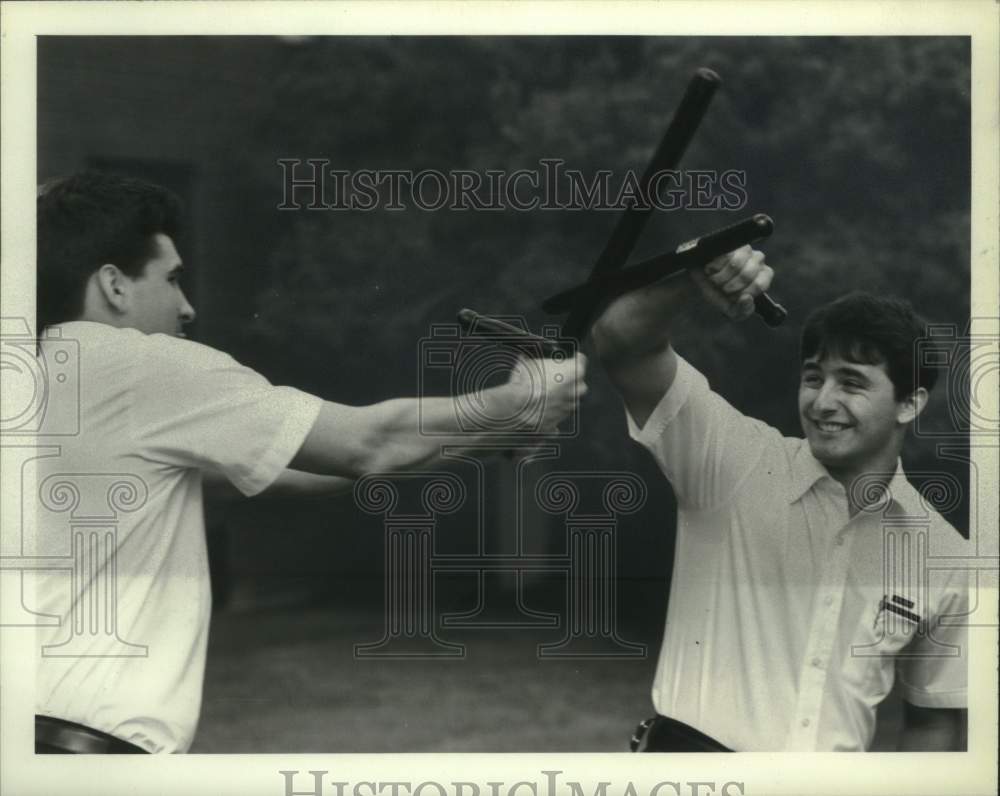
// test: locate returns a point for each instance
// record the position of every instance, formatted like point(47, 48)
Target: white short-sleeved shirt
point(122, 504)
point(787, 618)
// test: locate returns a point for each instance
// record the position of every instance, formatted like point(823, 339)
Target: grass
point(285, 679)
point(288, 681)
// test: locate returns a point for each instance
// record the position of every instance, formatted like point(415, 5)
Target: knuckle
point(713, 265)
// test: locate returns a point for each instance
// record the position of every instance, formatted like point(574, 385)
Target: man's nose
point(187, 311)
point(826, 397)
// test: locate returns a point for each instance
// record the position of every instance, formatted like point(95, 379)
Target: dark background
point(857, 147)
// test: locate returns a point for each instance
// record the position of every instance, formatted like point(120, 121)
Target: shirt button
point(817, 663)
point(805, 722)
point(828, 601)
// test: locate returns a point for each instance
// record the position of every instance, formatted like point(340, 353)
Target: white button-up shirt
point(788, 619)
point(120, 516)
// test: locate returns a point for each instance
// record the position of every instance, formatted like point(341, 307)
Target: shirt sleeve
point(198, 407)
point(704, 446)
point(934, 671)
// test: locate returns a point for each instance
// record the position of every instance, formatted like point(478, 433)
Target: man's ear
point(911, 406)
point(113, 286)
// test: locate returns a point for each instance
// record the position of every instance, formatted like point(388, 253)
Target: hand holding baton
point(693, 254)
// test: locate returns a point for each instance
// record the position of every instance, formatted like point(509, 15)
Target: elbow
point(611, 342)
point(621, 343)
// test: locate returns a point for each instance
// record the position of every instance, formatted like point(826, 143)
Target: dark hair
point(871, 330)
point(87, 220)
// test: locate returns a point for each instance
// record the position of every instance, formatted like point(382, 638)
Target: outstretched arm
point(406, 433)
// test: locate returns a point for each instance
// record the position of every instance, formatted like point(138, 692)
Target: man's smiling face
point(851, 417)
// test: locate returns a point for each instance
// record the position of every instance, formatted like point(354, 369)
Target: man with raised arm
point(782, 631)
point(159, 412)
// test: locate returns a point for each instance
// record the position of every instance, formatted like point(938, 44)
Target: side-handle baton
point(693, 254)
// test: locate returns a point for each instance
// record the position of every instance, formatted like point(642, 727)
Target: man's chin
point(824, 453)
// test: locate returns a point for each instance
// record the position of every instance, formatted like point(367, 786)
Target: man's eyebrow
point(811, 366)
point(853, 372)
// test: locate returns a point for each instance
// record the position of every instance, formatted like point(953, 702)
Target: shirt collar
point(903, 494)
point(807, 471)
point(73, 329)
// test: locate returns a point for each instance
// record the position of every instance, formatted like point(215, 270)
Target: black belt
point(664, 734)
point(58, 736)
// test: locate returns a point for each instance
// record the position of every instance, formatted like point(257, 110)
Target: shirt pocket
point(886, 625)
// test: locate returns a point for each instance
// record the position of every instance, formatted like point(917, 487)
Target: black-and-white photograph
point(391, 391)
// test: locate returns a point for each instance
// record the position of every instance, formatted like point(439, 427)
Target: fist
point(553, 387)
point(732, 281)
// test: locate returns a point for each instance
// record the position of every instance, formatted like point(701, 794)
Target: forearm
point(399, 434)
point(632, 340)
point(408, 433)
point(638, 325)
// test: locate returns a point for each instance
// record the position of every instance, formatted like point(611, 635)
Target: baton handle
point(769, 310)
